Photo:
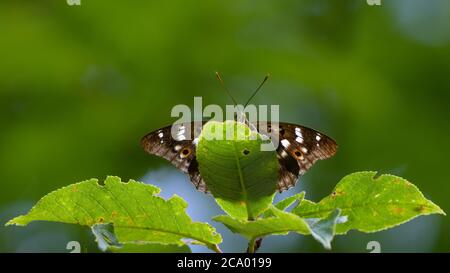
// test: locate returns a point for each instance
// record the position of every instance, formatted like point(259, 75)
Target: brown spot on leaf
point(336, 193)
point(420, 208)
point(397, 210)
point(397, 181)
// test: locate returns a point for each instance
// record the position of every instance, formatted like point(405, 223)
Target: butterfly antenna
point(257, 89)
point(225, 88)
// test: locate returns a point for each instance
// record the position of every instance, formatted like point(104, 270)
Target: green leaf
point(150, 248)
point(281, 223)
point(241, 177)
point(323, 230)
point(105, 237)
point(286, 203)
point(371, 203)
point(137, 213)
point(107, 241)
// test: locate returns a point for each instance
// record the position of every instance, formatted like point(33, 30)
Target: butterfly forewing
point(176, 143)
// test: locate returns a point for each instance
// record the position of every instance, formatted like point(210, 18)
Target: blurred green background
point(80, 85)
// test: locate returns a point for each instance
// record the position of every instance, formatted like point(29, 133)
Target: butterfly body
point(299, 148)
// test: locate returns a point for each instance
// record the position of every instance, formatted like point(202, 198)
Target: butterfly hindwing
point(179, 150)
point(299, 148)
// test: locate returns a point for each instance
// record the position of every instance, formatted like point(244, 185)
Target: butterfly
point(299, 148)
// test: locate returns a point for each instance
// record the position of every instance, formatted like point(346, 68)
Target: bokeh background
point(80, 85)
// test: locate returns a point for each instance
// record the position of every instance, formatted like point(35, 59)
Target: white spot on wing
point(160, 134)
point(304, 150)
point(298, 132)
point(285, 143)
point(318, 137)
point(299, 139)
point(195, 141)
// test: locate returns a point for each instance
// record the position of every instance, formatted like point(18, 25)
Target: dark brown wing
point(299, 148)
point(179, 150)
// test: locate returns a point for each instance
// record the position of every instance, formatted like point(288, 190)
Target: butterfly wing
point(299, 148)
point(179, 150)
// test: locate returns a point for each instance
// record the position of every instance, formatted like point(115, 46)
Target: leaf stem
point(251, 246)
point(216, 249)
